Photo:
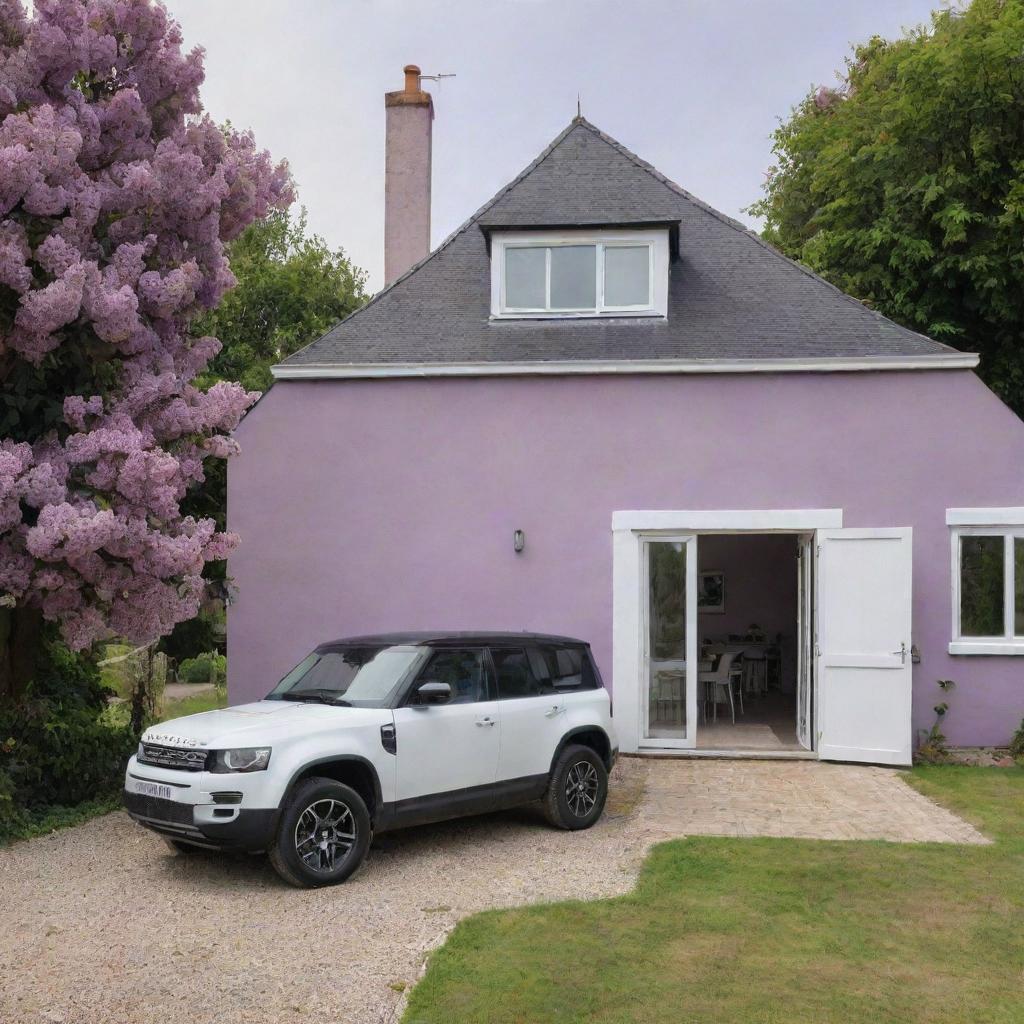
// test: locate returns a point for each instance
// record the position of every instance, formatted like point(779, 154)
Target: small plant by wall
point(1017, 744)
point(932, 748)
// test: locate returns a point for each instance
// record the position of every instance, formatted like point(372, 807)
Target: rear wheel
point(577, 789)
point(323, 834)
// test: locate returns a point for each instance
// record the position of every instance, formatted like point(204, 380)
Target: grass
point(208, 700)
point(766, 931)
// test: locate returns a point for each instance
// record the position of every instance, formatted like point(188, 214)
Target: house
point(602, 408)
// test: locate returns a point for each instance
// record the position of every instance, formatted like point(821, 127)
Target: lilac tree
point(117, 195)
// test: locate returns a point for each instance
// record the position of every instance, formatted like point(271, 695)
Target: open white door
point(864, 664)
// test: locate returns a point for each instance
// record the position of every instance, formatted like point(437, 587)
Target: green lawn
point(753, 931)
point(206, 701)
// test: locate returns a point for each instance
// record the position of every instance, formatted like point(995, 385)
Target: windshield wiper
point(316, 696)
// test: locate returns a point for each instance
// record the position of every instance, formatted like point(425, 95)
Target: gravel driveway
point(101, 923)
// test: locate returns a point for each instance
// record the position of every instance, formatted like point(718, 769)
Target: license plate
point(151, 789)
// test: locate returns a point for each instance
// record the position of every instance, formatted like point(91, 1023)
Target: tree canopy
point(291, 288)
point(117, 198)
point(904, 185)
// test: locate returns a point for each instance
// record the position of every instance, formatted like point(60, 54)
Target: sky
point(695, 87)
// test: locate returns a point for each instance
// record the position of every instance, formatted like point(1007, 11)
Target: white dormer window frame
point(654, 239)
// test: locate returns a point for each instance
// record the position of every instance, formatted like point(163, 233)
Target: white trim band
point(731, 520)
point(572, 367)
point(985, 516)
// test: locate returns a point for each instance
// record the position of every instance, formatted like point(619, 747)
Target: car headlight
point(240, 759)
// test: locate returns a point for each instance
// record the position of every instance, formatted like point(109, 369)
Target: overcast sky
point(693, 86)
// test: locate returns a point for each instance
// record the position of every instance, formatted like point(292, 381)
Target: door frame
point(689, 542)
point(629, 530)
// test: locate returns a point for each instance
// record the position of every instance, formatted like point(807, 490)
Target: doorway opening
point(739, 608)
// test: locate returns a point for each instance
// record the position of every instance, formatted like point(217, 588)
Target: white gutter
point(571, 367)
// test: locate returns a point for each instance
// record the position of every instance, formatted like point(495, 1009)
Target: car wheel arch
point(592, 736)
point(350, 769)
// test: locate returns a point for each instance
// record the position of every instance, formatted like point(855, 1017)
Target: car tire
point(323, 834)
point(577, 789)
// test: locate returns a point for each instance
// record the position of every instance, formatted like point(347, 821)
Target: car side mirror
point(433, 693)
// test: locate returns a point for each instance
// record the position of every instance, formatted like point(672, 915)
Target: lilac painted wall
point(374, 505)
point(760, 589)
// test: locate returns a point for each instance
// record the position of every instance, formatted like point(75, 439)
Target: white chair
point(718, 685)
point(755, 672)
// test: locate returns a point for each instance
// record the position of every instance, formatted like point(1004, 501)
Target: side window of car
point(462, 670)
point(572, 669)
point(514, 673)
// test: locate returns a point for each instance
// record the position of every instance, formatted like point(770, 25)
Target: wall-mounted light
point(518, 540)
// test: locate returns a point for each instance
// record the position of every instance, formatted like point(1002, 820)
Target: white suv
point(376, 733)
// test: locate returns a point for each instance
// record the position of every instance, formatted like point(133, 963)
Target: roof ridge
point(743, 229)
point(464, 226)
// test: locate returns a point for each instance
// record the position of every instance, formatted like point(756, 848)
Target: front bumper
point(249, 829)
point(195, 815)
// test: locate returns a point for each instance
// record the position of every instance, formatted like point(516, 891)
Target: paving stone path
point(797, 799)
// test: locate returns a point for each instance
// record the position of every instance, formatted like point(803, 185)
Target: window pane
point(666, 614)
point(515, 677)
point(1018, 586)
point(524, 278)
point(981, 586)
point(463, 671)
point(574, 277)
point(627, 275)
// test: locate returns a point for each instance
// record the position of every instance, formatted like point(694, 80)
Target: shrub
point(208, 667)
point(57, 746)
point(189, 639)
point(1017, 743)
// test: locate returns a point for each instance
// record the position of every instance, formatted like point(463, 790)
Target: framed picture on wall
point(711, 591)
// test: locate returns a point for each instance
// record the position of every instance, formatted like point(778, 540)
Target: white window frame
point(656, 240)
point(1007, 523)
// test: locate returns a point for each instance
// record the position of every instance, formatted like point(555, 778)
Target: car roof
point(436, 638)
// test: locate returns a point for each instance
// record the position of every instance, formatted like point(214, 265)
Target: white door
point(864, 664)
point(444, 747)
point(805, 642)
point(669, 669)
point(532, 720)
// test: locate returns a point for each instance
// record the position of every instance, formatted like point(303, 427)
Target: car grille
point(158, 812)
point(172, 757)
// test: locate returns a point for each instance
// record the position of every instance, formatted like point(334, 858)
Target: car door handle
point(486, 720)
point(557, 709)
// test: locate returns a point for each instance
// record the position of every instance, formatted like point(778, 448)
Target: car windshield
point(349, 675)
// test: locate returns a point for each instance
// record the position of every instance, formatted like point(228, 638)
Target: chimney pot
point(407, 146)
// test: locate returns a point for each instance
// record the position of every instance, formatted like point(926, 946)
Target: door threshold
point(734, 755)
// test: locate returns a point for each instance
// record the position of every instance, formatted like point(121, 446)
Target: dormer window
point(589, 273)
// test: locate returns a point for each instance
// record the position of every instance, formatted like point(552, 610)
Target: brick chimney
point(410, 116)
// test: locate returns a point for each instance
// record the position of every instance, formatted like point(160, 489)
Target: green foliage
point(291, 288)
point(208, 667)
point(1017, 743)
point(190, 638)
point(56, 746)
point(904, 186)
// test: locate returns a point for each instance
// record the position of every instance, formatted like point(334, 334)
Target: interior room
point(742, 627)
point(747, 620)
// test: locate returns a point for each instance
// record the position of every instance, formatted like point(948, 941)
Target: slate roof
point(731, 296)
